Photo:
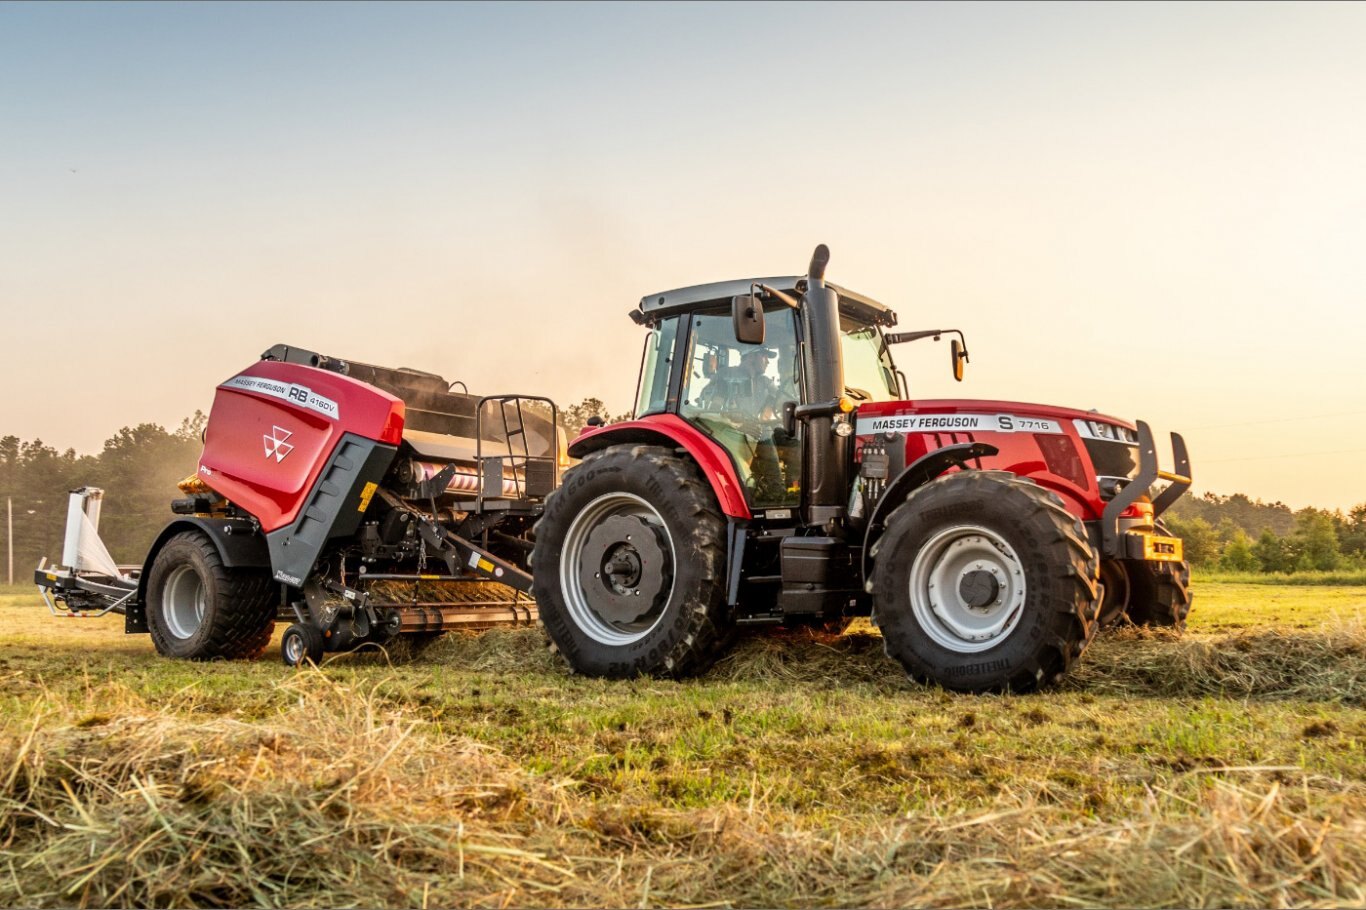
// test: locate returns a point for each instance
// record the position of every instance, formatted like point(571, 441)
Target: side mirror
point(748, 315)
point(960, 357)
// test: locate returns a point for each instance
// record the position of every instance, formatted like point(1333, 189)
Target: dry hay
point(342, 799)
point(1320, 665)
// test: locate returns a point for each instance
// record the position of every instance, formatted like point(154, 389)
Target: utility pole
point(9, 535)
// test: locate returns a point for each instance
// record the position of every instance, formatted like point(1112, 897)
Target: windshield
point(868, 371)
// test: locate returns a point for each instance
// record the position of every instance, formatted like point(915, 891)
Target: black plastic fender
point(918, 473)
point(239, 542)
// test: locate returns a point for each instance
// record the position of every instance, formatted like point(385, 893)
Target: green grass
point(1351, 577)
point(1226, 768)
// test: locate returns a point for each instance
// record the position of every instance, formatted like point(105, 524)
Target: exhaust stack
point(827, 490)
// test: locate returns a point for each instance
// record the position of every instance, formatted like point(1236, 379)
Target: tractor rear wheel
point(198, 609)
point(630, 562)
point(983, 581)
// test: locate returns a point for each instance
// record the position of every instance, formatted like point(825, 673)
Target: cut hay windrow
point(1324, 664)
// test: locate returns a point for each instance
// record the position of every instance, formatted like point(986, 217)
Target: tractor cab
point(706, 362)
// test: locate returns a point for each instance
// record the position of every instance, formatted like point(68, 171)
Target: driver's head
point(756, 361)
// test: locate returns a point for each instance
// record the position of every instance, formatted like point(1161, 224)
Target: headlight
point(842, 426)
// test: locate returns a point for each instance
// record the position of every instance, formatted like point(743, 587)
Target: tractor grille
point(1112, 459)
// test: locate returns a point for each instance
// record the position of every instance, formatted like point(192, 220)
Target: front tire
point(1161, 596)
point(630, 564)
point(983, 581)
point(198, 609)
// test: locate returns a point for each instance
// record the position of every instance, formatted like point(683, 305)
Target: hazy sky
point(1155, 210)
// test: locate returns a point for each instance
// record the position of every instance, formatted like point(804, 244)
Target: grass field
point(1224, 769)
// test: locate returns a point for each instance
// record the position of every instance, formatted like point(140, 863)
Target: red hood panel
point(273, 427)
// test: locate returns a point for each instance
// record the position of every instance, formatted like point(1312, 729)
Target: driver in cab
point(744, 392)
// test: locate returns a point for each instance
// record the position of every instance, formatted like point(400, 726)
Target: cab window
point(654, 368)
point(735, 393)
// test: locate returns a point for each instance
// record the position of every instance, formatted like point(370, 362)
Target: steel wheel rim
point(585, 617)
point(184, 602)
point(950, 576)
point(294, 649)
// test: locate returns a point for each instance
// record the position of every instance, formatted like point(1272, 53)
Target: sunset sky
point(1154, 210)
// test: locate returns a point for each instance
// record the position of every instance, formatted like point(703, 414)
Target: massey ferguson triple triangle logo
point(276, 445)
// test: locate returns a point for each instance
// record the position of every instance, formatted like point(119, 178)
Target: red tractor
point(776, 472)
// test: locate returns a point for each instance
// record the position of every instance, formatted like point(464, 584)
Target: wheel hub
point(978, 588)
point(622, 569)
point(184, 602)
point(967, 588)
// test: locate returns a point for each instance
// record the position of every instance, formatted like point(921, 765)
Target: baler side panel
point(275, 426)
point(334, 507)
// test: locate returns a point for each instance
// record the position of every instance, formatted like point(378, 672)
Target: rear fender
point(239, 542)
point(674, 432)
point(918, 473)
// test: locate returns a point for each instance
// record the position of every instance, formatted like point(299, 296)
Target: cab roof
point(654, 307)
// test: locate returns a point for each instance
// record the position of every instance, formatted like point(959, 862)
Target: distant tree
point(1238, 555)
point(138, 470)
point(575, 416)
point(1253, 516)
point(1272, 553)
point(1201, 540)
point(1316, 541)
point(1352, 533)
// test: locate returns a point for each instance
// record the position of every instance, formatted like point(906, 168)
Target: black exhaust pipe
point(827, 455)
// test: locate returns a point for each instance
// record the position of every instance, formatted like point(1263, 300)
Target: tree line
point(1239, 534)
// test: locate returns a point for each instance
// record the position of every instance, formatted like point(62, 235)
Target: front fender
point(674, 432)
point(918, 473)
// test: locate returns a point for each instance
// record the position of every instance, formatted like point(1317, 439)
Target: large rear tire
point(630, 562)
point(983, 581)
point(198, 609)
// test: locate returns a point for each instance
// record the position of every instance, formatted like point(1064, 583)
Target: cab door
point(735, 393)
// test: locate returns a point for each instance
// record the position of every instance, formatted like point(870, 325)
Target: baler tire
point(686, 626)
point(239, 606)
point(1037, 553)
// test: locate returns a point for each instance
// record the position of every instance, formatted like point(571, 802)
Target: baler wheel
point(198, 609)
point(984, 581)
point(630, 566)
point(301, 644)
